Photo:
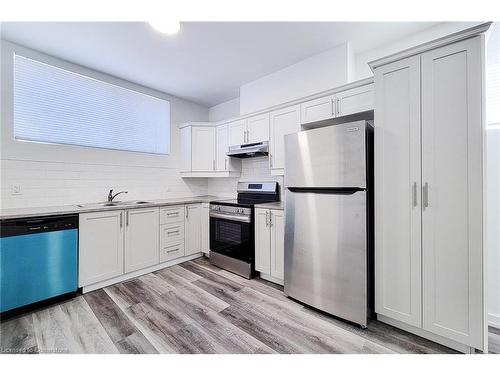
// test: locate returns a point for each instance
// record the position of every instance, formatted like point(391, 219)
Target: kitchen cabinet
point(205, 228)
point(203, 149)
point(249, 130)
point(141, 248)
point(223, 162)
point(269, 244)
point(282, 122)
point(318, 109)
point(397, 187)
point(192, 229)
point(258, 128)
point(100, 255)
point(428, 192)
point(358, 99)
point(237, 132)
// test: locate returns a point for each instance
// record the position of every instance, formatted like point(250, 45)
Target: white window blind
point(493, 78)
point(54, 105)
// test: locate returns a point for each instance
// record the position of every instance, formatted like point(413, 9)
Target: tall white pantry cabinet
point(429, 192)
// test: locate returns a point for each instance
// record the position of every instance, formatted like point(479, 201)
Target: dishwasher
point(38, 261)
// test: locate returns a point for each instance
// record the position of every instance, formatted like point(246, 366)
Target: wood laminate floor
point(198, 308)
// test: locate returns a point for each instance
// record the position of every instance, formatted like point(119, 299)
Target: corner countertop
point(271, 205)
point(18, 213)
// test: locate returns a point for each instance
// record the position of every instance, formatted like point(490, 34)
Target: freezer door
point(333, 156)
point(326, 252)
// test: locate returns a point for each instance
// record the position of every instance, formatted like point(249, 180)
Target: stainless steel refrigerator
point(329, 219)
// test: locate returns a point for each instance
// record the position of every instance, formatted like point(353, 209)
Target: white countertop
point(271, 205)
point(16, 213)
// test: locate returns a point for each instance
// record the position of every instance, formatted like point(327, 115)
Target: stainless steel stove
point(232, 236)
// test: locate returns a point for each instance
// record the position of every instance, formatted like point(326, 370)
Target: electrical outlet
point(16, 189)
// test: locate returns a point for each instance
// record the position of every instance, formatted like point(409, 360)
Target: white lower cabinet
point(192, 229)
point(100, 255)
point(205, 228)
point(269, 244)
point(429, 191)
point(141, 238)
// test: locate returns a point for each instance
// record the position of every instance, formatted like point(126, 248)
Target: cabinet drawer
point(171, 234)
point(170, 215)
point(171, 252)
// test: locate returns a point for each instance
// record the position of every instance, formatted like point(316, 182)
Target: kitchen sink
point(111, 204)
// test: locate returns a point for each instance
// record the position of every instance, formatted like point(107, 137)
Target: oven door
point(232, 238)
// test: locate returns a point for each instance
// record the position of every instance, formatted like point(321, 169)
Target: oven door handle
point(242, 219)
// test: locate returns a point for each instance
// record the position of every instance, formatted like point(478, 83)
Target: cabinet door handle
point(213, 164)
point(271, 160)
point(414, 194)
point(187, 212)
point(225, 164)
point(334, 107)
point(425, 195)
point(267, 218)
point(270, 218)
point(126, 219)
point(338, 107)
point(121, 219)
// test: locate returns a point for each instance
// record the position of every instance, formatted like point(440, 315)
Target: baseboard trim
point(131, 275)
point(426, 335)
point(272, 279)
point(494, 320)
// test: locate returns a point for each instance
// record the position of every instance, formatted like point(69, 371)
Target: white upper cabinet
point(258, 128)
point(203, 149)
point(249, 130)
point(142, 247)
point(359, 99)
point(452, 133)
point(282, 122)
point(223, 162)
point(100, 254)
point(237, 132)
point(192, 229)
point(317, 109)
point(397, 191)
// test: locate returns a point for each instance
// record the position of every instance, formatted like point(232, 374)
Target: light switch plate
point(16, 189)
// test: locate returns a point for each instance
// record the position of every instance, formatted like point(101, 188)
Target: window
point(54, 105)
point(493, 78)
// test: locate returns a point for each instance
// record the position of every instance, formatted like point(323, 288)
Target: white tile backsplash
point(53, 183)
point(252, 169)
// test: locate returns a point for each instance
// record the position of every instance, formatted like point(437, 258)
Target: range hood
point(249, 150)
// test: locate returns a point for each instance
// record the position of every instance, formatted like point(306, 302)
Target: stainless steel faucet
point(111, 196)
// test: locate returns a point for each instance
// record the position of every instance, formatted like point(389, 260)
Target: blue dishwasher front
point(38, 260)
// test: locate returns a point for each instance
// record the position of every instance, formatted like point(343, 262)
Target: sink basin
point(111, 204)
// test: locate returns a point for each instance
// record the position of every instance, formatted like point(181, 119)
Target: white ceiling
point(206, 62)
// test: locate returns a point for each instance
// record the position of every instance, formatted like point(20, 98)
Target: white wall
point(317, 73)
point(58, 174)
point(445, 28)
point(493, 225)
point(224, 111)
point(252, 169)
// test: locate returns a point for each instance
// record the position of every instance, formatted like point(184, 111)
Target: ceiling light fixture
point(168, 27)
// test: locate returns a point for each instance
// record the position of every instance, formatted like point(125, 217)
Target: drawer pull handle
point(173, 213)
point(172, 251)
point(173, 231)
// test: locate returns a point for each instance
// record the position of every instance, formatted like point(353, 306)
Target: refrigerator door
point(326, 252)
point(333, 156)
